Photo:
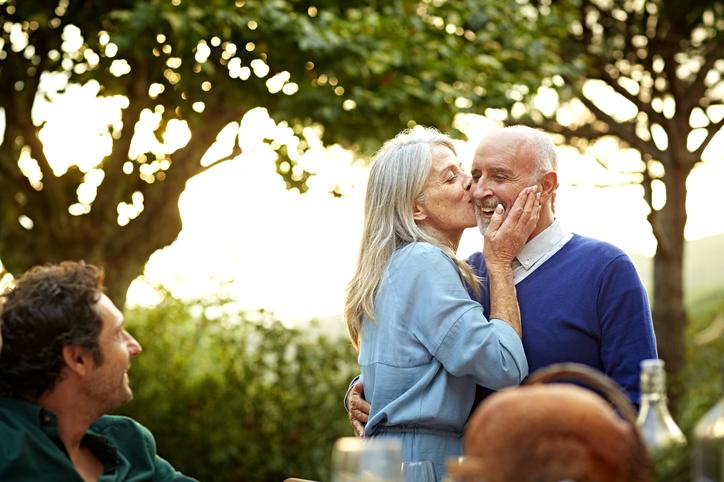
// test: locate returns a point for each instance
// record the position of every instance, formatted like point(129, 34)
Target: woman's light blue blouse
point(430, 345)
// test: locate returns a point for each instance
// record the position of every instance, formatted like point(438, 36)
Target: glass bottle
point(658, 429)
point(708, 441)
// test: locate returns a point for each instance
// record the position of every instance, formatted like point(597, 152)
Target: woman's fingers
point(529, 217)
point(535, 215)
point(520, 220)
point(496, 220)
point(522, 206)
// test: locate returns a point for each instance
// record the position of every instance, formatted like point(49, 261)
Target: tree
point(663, 61)
point(358, 70)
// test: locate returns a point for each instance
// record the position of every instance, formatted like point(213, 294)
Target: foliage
point(357, 71)
point(704, 386)
point(647, 74)
point(233, 396)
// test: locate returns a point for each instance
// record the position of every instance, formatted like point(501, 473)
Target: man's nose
point(134, 347)
point(479, 189)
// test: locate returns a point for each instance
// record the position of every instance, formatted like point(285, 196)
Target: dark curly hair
point(45, 309)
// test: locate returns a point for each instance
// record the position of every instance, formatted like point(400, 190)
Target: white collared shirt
point(539, 249)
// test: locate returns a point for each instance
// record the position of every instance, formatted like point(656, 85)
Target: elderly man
point(581, 300)
point(63, 366)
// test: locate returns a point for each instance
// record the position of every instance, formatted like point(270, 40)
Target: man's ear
point(77, 359)
point(418, 211)
point(548, 184)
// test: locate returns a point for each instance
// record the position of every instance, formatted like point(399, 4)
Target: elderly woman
point(423, 342)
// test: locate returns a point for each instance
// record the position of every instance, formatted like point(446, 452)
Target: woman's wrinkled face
point(445, 207)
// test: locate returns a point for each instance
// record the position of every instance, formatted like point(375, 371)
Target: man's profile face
point(108, 382)
point(500, 172)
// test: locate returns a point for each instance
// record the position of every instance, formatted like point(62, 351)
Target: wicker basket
point(547, 432)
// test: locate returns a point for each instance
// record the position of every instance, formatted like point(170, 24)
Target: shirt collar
point(48, 423)
point(537, 247)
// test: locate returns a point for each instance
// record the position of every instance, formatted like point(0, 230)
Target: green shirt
point(30, 449)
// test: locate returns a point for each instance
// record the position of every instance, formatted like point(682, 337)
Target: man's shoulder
point(118, 422)
point(476, 260)
point(123, 428)
point(10, 428)
point(17, 416)
point(592, 249)
point(138, 446)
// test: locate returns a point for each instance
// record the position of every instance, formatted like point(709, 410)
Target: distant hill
point(703, 279)
point(703, 268)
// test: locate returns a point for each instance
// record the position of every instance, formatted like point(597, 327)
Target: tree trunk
point(669, 313)
point(122, 252)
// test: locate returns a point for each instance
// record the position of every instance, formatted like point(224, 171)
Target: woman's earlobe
point(418, 212)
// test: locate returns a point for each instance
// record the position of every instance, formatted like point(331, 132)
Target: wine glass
point(366, 460)
point(421, 471)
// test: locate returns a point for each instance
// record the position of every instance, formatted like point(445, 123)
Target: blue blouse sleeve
point(452, 326)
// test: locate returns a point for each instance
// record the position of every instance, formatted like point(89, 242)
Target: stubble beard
point(109, 394)
point(482, 223)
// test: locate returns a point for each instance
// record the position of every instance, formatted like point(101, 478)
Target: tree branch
point(161, 197)
point(235, 151)
point(640, 105)
point(582, 132)
point(20, 116)
point(652, 216)
point(625, 131)
point(711, 131)
point(113, 187)
point(38, 205)
point(9, 169)
point(698, 87)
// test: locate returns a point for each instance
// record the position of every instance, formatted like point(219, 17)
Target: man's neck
point(72, 414)
point(544, 222)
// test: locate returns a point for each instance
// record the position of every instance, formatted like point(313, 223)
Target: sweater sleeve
point(452, 326)
point(627, 333)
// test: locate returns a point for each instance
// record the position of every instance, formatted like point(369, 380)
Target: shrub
point(235, 396)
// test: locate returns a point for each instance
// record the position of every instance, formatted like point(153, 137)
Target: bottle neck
point(653, 383)
point(654, 403)
point(653, 391)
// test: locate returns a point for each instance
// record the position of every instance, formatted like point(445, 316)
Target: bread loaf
point(553, 432)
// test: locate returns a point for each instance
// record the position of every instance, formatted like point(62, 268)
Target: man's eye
point(452, 178)
point(476, 177)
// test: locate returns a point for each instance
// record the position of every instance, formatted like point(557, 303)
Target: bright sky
point(245, 234)
point(294, 253)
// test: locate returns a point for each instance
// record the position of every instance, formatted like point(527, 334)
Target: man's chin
point(483, 227)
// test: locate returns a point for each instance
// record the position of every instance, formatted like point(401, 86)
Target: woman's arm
point(504, 238)
point(435, 307)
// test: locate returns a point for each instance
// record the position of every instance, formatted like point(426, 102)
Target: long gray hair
point(397, 177)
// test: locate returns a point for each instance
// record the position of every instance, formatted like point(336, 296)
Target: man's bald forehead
point(515, 134)
point(523, 141)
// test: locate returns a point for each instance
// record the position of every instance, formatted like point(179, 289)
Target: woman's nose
point(468, 182)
